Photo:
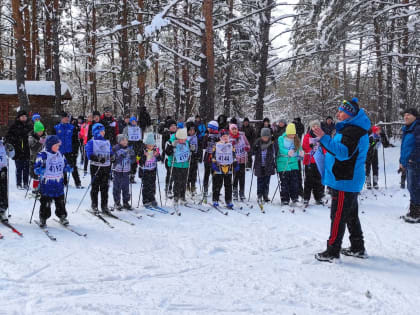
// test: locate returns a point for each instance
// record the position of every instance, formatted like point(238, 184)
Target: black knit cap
point(64, 114)
point(246, 119)
point(22, 113)
point(96, 113)
point(412, 111)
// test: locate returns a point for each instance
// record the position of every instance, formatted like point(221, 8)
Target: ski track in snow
point(206, 263)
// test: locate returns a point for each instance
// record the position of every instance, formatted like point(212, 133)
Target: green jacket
point(171, 156)
point(284, 162)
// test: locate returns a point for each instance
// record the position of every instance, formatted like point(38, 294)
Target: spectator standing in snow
point(410, 162)
point(144, 119)
point(17, 136)
point(372, 161)
point(68, 135)
point(36, 142)
point(345, 175)
point(111, 126)
point(6, 152)
point(250, 135)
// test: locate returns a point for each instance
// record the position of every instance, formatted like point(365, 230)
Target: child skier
point(124, 158)
point(223, 164)
point(178, 151)
point(372, 157)
point(209, 142)
point(149, 157)
point(265, 152)
point(242, 147)
point(135, 136)
point(51, 165)
point(6, 151)
point(313, 183)
point(99, 151)
point(288, 164)
point(36, 142)
point(195, 156)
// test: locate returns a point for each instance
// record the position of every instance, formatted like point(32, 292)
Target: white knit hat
point(181, 134)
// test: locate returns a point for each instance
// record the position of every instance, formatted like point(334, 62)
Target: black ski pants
point(4, 198)
point(372, 163)
point(345, 212)
point(149, 186)
point(100, 178)
point(72, 160)
point(218, 180)
point(180, 182)
point(45, 208)
point(313, 183)
point(239, 178)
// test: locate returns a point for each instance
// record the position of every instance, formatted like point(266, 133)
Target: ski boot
point(284, 203)
point(117, 206)
point(105, 210)
point(354, 253)
point(95, 209)
point(368, 182)
point(229, 206)
point(327, 256)
point(3, 216)
point(63, 220)
point(132, 179)
point(242, 197)
point(215, 203)
point(306, 203)
point(375, 182)
point(127, 206)
point(154, 203)
point(235, 194)
point(182, 201)
point(42, 222)
point(266, 198)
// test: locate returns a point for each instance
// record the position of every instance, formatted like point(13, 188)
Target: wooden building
point(41, 99)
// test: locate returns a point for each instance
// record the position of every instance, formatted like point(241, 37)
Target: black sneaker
point(327, 256)
point(354, 253)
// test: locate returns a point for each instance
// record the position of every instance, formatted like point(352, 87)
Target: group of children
point(226, 153)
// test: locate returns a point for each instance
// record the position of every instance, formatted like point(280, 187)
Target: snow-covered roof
point(42, 88)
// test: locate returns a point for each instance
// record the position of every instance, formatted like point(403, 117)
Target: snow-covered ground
point(207, 263)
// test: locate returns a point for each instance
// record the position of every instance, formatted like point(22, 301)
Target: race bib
point(54, 166)
point(182, 153)
point(134, 134)
point(101, 149)
point(224, 154)
point(151, 161)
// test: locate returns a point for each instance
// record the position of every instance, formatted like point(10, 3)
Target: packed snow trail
point(207, 263)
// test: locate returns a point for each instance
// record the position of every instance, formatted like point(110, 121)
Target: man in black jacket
point(250, 135)
point(144, 119)
point(17, 136)
point(300, 128)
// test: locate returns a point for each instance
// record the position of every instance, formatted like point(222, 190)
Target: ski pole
point(252, 179)
point(157, 175)
point(188, 172)
point(27, 190)
point(279, 179)
point(383, 155)
point(199, 179)
point(170, 178)
point(141, 189)
point(90, 185)
point(33, 209)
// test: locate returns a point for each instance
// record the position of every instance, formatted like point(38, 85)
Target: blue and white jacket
point(410, 145)
point(65, 134)
point(346, 154)
point(51, 167)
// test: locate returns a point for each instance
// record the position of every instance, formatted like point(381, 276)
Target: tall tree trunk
point(157, 87)
point(379, 66)
point(403, 59)
point(48, 40)
point(345, 82)
point(203, 81)
point(208, 22)
point(114, 79)
point(20, 55)
point(359, 67)
point(186, 93)
point(11, 52)
point(125, 61)
point(35, 42)
point(389, 76)
point(177, 92)
point(141, 80)
point(92, 59)
point(228, 94)
point(56, 55)
point(265, 19)
point(27, 42)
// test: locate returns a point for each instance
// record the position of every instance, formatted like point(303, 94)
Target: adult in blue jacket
point(345, 174)
point(68, 135)
point(410, 161)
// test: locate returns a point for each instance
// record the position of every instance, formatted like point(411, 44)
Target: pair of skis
point(52, 237)
point(100, 216)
